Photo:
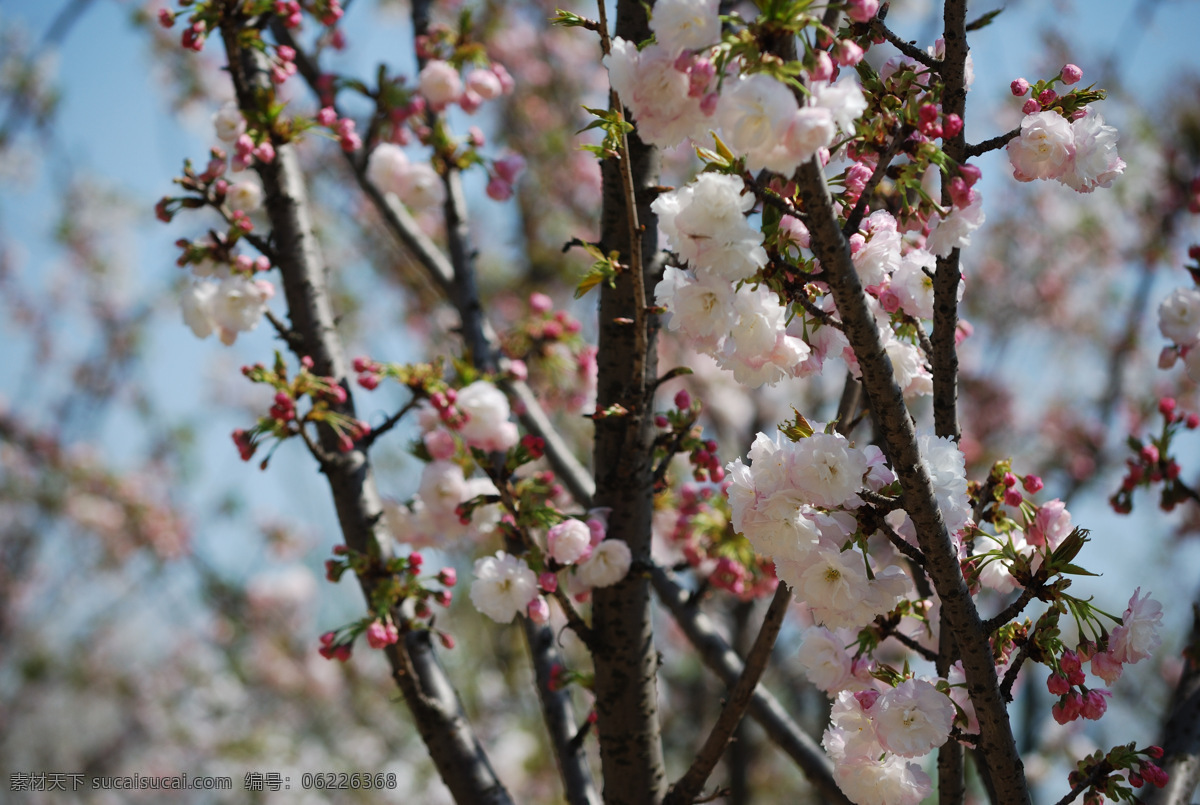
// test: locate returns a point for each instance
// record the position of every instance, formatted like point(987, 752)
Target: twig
point(907, 48)
point(1014, 668)
point(1102, 769)
point(689, 786)
point(913, 645)
point(764, 708)
point(992, 144)
point(881, 166)
point(439, 269)
point(1011, 611)
point(289, 336)
point(365, 442)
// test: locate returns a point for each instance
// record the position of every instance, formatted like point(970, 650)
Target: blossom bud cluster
point(442, 85)
point(399, 595)
point(1153, 462)
point(701, 534)
point(283, 420)
point(476, 415)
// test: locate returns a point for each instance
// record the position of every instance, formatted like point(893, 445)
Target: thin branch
point(992, 144)
point(559, 715)
point(913, 645)
point(1102, 770)
point(577, 623)
point(764, 708)
point(365, 442)
point(1010, 676)
point(289, 336)
point(636, 269)
point(881, 166)
point(1011, 611)
point(689, 786)
point(323, 457)
point(907, 48)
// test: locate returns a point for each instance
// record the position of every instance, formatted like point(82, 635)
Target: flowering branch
point(439, 269)
point(688, 788)
point(452, 744)
point(899, 443)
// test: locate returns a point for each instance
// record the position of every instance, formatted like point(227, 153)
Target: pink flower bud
point(1031, 107)
point(539, 610)
point(1094, 704)
point(540, 303)
point(498, 189)
point(862, 10)
point(823, 69)
point(1071, 74)
point(1019, 87)
point(1047, 97)
point(848, 53)
point(327, 116)
point(548, 582)
point(951, 126)
point(265, 153)
point(447, 640)
point(509, 168)
point(1058, 685)
point(683, 400)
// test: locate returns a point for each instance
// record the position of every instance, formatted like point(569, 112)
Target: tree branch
point(439, 269)
point(992, 144)
point(689, 786)
point(436, 710)
point(764, 708)
point(899, 444)
point(907, 48)
point(1180, 737)
point(626, 663)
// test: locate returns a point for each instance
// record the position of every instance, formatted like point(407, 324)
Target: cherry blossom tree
point(603, 485)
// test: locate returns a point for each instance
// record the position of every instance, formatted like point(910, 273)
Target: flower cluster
point(1081, 153)
point(873, 736)
point(742, 326)
point(1153, 461)
point(400, 599)
point(283, 421)
point(506, 585)
point(795, 504)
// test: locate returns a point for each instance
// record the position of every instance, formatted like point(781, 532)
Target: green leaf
point(601, 271)
point(569, 20)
